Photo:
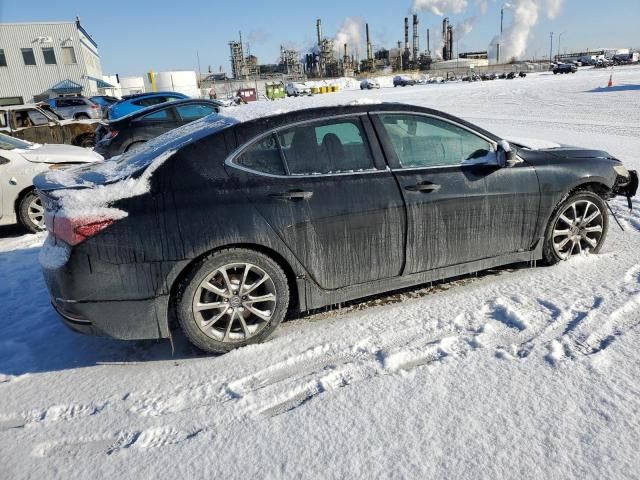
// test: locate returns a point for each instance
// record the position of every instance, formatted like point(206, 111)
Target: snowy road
point(518, 373)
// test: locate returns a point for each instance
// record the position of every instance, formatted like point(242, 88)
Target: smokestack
point(369, 48)
point(406, 33)
point(428, 42)
point(450, 37)
point(319, 28)
point(416, 38)
point(445, 39)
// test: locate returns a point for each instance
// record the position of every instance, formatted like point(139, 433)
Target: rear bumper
point(125, 320)
point(98, 297)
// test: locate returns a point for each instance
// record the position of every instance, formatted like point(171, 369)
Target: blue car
point(133, 103)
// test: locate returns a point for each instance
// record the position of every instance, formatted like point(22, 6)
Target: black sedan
point(226, 226)
point(132, 131)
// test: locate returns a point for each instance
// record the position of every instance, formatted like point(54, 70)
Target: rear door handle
point(423, 187)
point(292, 195)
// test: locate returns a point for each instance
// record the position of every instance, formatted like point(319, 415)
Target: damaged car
point(224, 227)
point(39, 124)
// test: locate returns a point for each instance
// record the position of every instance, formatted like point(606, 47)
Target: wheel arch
point(23, 193)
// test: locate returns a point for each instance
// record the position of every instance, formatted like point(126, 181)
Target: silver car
point(20, 161)
point(76, 108)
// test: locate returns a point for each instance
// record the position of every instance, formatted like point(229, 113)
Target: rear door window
point(263, 156)
point(333, 146)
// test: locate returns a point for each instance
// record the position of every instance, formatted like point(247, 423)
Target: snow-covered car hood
point(60, 154)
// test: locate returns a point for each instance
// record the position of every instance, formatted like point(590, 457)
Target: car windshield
point(10, 143)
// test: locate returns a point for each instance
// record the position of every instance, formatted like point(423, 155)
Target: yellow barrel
point(315, 90)
point(334, 88)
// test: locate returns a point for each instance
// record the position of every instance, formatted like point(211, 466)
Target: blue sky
point(135, 36)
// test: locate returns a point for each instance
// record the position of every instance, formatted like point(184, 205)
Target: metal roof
point(66, 86)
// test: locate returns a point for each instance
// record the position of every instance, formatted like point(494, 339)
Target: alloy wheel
point(235, 302)
point(35, 213)
point(579, 228)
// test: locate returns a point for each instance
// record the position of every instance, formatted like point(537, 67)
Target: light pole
point(560, 38)
point(551, 49)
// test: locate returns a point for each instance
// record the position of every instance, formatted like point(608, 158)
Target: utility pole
point(551, 49)
point(559, 39)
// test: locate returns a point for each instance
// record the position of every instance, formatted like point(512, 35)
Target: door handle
point(292, 195)
point(423, 187)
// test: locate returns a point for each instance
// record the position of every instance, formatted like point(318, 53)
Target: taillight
point(110, 135)
point(76, 230)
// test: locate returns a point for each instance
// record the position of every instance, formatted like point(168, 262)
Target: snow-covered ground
point(517, 373)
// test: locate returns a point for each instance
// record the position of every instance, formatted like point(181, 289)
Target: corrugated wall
point(18, 79)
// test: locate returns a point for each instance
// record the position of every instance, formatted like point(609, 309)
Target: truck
point(38, 123)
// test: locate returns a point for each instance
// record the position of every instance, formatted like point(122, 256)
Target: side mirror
point(506, 155)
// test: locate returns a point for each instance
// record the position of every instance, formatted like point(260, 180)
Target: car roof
point(267, 122)
point(162, 106)
point(149, 94)
point(21, 107)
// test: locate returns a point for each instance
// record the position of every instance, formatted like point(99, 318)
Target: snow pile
point(97, 201)
point(518, 372)
point(53, 255)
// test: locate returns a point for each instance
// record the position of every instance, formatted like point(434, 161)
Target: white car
point(297, 89)
point(369, 84)
point(20, 161)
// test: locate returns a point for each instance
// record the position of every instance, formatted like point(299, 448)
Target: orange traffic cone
point(610, 81)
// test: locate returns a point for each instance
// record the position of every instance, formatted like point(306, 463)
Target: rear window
point(71, 102)
point(149, 102)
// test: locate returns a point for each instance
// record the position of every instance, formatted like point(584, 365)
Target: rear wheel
point(86, 141)
point(579, 225)
point(82, 116)
point(233, 298)
point(31, 212)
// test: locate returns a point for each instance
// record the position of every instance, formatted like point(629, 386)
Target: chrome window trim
point(229, 161)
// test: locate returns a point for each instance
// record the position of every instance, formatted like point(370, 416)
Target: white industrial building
point(45, 59)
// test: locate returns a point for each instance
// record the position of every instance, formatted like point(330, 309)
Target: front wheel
point(580, 224)
point(31, 212)
point(233, 298)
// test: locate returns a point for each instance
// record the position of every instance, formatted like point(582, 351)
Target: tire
point(31, 213)
point(561, 221)
point(82, 116)
point(86, 141)
point(219, 328)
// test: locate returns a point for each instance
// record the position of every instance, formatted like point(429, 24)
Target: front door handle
point(423, 187)
point(293, 195)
